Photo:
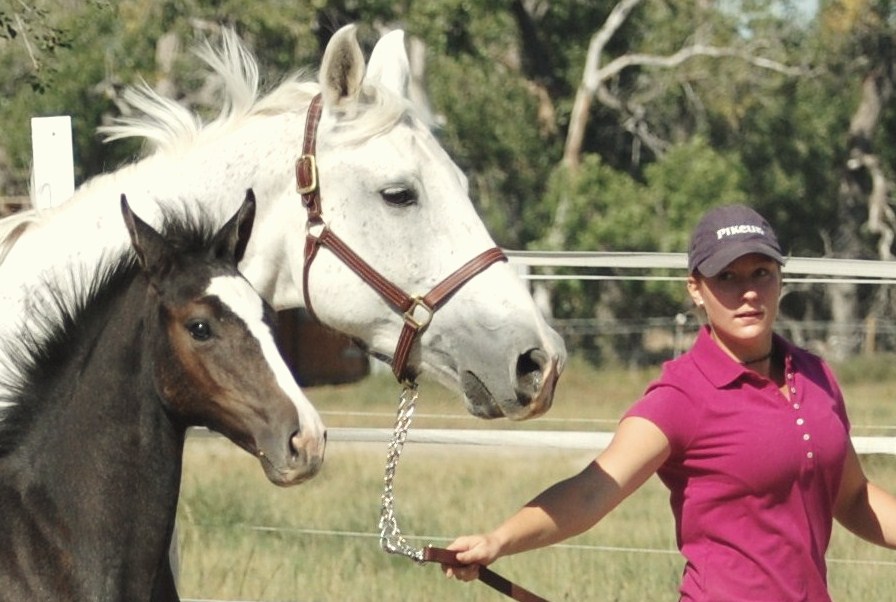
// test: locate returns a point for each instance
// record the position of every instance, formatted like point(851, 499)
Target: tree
point(581, 124)
point(28, 30)
point(634, 117)
point(864, 32)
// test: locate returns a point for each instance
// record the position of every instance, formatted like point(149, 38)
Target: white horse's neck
point(211, 178)
point(388, 189)
point(87, 230)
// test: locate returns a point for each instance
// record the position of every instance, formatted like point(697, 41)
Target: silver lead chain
point(391, 539)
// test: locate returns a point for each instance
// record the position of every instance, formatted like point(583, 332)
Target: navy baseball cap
point(728, 232)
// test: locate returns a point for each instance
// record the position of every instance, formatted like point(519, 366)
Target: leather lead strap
point(486, 575)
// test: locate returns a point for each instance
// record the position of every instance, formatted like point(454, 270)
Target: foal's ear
point(149, 245)
point(232, 239)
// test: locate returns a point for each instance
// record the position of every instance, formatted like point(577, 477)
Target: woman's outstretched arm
point(573, 505)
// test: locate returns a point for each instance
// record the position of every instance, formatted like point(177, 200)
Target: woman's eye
point(725, 276)
point(399, 196)
point(199, 330)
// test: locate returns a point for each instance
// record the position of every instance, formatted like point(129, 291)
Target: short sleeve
point(672, 410)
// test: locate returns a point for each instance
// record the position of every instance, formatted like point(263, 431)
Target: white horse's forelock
point(378, 112)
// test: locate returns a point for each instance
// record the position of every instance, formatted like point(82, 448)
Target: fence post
point(53, 169)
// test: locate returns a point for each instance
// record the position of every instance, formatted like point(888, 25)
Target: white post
point(53, 171)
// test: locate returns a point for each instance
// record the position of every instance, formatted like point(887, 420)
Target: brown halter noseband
point(417, 310)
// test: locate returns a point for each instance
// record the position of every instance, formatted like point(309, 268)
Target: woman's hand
point(473, 551)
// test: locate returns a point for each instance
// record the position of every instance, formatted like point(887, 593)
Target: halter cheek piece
point(417, 310)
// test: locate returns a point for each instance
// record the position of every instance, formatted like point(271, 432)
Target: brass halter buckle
point(306, 174)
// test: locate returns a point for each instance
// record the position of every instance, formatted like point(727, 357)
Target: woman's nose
point(749, 291)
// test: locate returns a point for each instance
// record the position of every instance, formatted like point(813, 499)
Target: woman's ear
point(694, 290)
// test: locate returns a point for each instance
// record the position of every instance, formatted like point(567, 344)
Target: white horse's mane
point(171, 128)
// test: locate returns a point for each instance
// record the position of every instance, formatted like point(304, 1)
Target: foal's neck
point(99, 472)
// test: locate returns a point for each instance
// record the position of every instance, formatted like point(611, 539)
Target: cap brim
point(712, 265)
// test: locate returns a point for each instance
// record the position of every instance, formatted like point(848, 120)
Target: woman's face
point(741, 303)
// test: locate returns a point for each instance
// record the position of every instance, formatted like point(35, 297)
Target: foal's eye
point(199, 330)
point(399, 196)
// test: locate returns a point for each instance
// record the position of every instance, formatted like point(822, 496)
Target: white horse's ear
point(342, 69)
point(389, 63)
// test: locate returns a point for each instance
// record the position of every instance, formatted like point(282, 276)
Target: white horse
point(386, 187)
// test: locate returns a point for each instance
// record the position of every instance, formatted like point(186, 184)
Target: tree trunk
point(863, 202)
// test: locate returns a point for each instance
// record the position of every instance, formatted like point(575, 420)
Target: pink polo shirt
point(752, 475)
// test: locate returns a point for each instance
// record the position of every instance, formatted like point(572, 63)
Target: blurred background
point(583, 125)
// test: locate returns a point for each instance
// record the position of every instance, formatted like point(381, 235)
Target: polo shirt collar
point(720, 368)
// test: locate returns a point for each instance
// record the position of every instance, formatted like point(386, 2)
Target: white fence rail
point(584, 440)
point(561, 440)
point(53, 181)
point(797, 269)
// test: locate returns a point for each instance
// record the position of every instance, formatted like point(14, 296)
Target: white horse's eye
point(399, 196)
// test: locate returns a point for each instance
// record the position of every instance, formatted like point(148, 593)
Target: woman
point(748, 432)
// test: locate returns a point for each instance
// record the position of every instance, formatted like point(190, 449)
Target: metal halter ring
point(411, 319)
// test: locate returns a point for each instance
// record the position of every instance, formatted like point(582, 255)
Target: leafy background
point(784, 119)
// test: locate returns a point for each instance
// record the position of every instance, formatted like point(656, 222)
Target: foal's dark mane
point(66, 313)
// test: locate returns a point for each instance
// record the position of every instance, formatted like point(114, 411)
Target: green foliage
point(501, 78)
point(608, 209)
point(508, 161)
point(613, 212)
point(28, 28)
point(689, 179)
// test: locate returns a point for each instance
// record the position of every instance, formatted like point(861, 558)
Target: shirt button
point(793, 389)
point(810, 455)
point(806, 437)
point(800, 421)
point(796, 406)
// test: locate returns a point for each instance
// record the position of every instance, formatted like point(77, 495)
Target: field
point(244, 539)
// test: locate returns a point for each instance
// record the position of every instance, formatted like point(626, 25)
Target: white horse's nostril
point(530, 368)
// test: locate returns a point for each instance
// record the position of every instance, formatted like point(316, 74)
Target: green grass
point(244, 539)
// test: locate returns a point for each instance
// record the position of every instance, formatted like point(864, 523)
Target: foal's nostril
point(294, 450)
point(303, 450)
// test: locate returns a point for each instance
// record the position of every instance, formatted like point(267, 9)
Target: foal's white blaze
point(237, 294)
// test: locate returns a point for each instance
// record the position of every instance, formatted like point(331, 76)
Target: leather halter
point(417, 310)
